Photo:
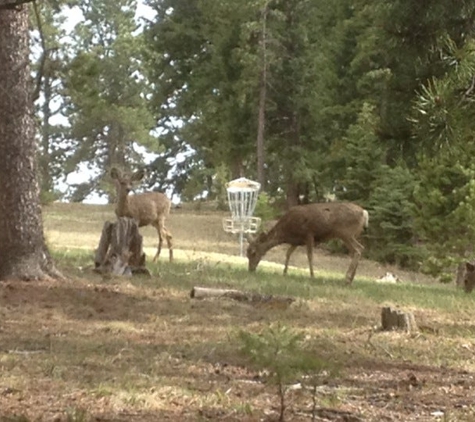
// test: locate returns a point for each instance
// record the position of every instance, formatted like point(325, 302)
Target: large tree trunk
point(44, 84)
point(46, 180)
point(292, 193)
point(116, 144)
point(23, 253)
point(261, 178)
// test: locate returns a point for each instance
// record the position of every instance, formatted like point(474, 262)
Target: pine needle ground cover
point(140, 349)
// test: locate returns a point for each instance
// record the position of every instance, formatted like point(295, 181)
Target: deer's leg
point(168, 238)
point(160, 241)
point(163, 233)
point(310, 243)
point(290, 251)
point(356, 249)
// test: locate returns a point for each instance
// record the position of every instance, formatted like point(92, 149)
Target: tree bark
point(395, 319)
point(460, 275)
point(120, 249)
point(292, 193)
point(46, 181)
point(23, 252)
point(262, 105)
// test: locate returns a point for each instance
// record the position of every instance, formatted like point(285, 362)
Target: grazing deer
point(148, 208)
point(311, 224)
point(469, 278)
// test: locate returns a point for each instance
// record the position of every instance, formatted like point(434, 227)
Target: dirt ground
point(90, 349)
point(93, 351)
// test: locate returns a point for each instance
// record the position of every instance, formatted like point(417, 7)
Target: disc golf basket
point(242, 199)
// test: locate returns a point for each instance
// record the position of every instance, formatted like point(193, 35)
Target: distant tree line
point(368, 101)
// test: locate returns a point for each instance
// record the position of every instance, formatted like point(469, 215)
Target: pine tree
point(445, 209)
point(23, 251)
point(107, 92)
point(392, 234)
point(50, 61)
point(361, 157)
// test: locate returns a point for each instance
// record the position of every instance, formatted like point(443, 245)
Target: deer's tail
point(365, 219)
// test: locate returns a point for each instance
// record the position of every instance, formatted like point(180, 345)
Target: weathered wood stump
point(120, 249)
point(395, 319)
point(256, 299)
point(460, 275)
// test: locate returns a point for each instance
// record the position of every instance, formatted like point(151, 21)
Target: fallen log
point(255, 299)
point(120, 249)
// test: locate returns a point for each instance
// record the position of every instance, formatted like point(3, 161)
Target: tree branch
point(472, 86)
point(13, 4)
point(44, 54)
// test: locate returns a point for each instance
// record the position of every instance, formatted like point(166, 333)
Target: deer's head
point(124, 182)
point(255, 251)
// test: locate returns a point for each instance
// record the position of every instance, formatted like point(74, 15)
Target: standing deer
point(148, 208)
point(311, 224)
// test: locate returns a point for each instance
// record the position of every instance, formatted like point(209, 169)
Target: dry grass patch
point(197, 235)
point(141, 350)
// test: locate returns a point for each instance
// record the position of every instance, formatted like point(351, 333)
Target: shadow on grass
point(119, 339)
point(102, 302)
point(179, 415)
point(200, 272)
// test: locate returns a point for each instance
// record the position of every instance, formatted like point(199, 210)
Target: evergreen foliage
point(368, 101)
point(281, 351)
point(361, 157)
point(445, 211)
point(265, 209)
point(49, 56)
point(391, 234)
point(106, 92)
point(442, 116)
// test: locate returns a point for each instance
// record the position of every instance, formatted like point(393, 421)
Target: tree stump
point(120, 249)
point(395, 319)
point(460, 275)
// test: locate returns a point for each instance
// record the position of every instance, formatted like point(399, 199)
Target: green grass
point(185, 275)
point(438, 307)
point(142, 347)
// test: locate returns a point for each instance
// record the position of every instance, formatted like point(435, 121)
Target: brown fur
point(149, 208)
point(309, 225)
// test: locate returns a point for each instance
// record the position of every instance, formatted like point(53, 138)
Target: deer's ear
point(115, 173)
point(138, 175)
point(469, 267)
